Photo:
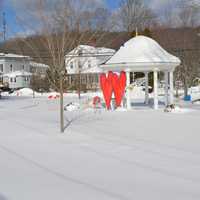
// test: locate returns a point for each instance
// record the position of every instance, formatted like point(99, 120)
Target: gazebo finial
point(136, 32)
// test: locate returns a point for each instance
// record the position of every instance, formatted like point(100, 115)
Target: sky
point(7, 6)
point(113, 4)
point(13, 28)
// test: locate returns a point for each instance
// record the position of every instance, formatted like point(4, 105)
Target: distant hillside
point(34, 45)
point(171, 39)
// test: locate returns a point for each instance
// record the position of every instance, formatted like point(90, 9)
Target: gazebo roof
point(141, 54)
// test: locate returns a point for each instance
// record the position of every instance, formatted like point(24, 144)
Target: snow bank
point(24, 92)
point(53, 95)
point(72, 107)
point(178, 109)
point(137, 92)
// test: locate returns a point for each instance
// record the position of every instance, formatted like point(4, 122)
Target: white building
point(38, 68)
point(85, 60)
point(16, 70)
point(143, 54)
point(17, 79)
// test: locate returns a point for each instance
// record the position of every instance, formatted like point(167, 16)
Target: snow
point(91, 70)
point(17, 73)
point(142, 49)
point(72, 106)
point(38, 65)
point(142, 54)
point(90, 59)
point(91, 50)
point(25, 92)
point(11, 55)
point(139, 154)
point(137, 92)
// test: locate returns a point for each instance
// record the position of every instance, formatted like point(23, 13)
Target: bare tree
point(101, 19)
point(182, 13)
point(188, 17)
point(189, 13)
point(135, 14)
point(60, 28)
point(183, 39)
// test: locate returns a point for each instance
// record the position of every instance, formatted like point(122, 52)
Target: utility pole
point(4, 26)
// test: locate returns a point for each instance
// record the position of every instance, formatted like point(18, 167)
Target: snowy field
point(141, 154)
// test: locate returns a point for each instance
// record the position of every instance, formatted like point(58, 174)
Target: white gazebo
point(143, 54)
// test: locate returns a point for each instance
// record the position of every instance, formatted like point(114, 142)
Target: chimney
point(92, 42)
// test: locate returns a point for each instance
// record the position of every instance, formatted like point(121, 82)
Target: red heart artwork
point(106, 86)
point(119, 84)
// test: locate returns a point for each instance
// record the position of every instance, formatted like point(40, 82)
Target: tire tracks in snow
point(119, 140)
point(64, 177)
point(122, 161)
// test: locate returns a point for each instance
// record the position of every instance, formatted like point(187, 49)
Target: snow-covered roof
point(90, 51)
point(39, 65)
point(11, 55)
point(92, 70)
point(141, 54)
point(17, 73)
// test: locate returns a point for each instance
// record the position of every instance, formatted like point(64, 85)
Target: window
point(11, 80)
point(23, 68)
point(89, 63)
point(15, 79)
point(11, 68)
point(1, 67)
point(26, 78)
point(79, 64)
point(71, 65)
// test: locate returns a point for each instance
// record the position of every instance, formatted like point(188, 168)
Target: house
point(18, 79)
point(83, 63)
point(16, 70)
point(38, 68)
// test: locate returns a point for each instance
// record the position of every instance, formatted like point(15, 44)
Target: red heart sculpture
point(106, 86)
point(119, 84)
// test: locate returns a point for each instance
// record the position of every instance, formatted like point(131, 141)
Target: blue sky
point(13, 28)
point(112, 3)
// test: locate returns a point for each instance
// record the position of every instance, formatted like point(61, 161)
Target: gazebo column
point(128, 97)
point(146, 88)
point(155, 75)
point(171, 83)
point(166, 88)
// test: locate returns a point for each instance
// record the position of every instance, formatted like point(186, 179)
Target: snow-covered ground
point(141, 154)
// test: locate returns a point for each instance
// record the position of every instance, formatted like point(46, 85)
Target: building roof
point(92, 70)
point(89, 51)
point(11, 55)
point(39, 65)
point(141, 54)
